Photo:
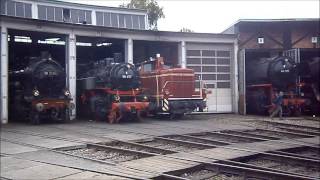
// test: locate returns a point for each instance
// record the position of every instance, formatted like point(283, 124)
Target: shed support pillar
point(71, 69)
point(182, 54)
point(129, 51)
point(235, 78)
point(4, 75)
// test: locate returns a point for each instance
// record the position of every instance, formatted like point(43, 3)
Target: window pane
point(223, 53)
point(208, 53)
point(128, 21)
point(223, 69)
point(208, 76)
point(42, 12)
point(223, 84)
point(121, 21)
point(107, 21)
point(58, 14)
point(208, 68)
point(142, 22)
point(193, 60)
point(19, 9)
point(82, 15)
point(50, 13)
point(74, 15)
point(10, 8)
point(223, 76)
point(114, 20)
point(208, 61)
point(99, 16)
point(223, 61)
point(193, 52)
point(27, 11)
point(210, 85)
point(66, 15)
point(3, 7)
point(195, 68)
point(135, 21)
point(197, 76)
point(88, 17)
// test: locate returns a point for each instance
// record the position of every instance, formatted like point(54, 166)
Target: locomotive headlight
point(67, 93)
point(35, 93)
point(39, 107)
point(116, 98)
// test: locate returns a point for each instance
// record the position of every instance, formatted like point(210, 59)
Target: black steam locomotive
point(266, 76)
point(110, 91)
point(38, 91)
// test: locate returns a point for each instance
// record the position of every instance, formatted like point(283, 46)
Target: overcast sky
point(214, 16)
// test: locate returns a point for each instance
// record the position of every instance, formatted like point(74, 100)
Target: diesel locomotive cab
point(39, 91)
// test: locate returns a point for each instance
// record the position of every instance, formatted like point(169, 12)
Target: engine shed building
point(75, 34)
point(264, 38)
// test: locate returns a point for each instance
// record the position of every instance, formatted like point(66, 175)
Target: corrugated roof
point(272, 20)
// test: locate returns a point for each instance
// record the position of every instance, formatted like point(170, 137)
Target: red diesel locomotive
point(171, 90)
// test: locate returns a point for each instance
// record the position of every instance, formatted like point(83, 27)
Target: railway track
point(119, 151)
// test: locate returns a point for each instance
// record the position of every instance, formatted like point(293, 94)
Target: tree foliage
point(155, 12)
point(186, 30)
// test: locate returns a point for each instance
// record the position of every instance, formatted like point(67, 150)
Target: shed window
point(223, 61)
point(135, 22)
point(66, 15)
point(208, 68)
point(58, 14)
point(223, 84)
point(107, 21)
point(223, 53)
point(19, 9)
point(3, 7)
point(114, 20)
point(74, 16)
point(27, 10)
point(208, 61)
point(142, 22)
point(88, 17)
point(128, 21)
point(121, 21)
point(42, 12)
point(223, 76)
point(10, 8)
point(50, 13)
point(82, 16)
point(193, 53)
point(99, 16)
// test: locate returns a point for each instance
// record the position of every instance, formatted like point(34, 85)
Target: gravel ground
point(171, 145)
point(133, 147)
point(205, 174)
point(308, 152)
point(286, 166)
point(194, 140)
point(106, 155)
point(273, 134)
point(221, 137)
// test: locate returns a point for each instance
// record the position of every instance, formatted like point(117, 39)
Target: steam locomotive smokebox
point(87, 83)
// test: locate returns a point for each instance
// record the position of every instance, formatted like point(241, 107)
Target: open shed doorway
point(24, 47)
point(143, 50)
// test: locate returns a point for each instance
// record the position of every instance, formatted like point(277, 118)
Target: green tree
point(155, 12)
point(186, 30)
